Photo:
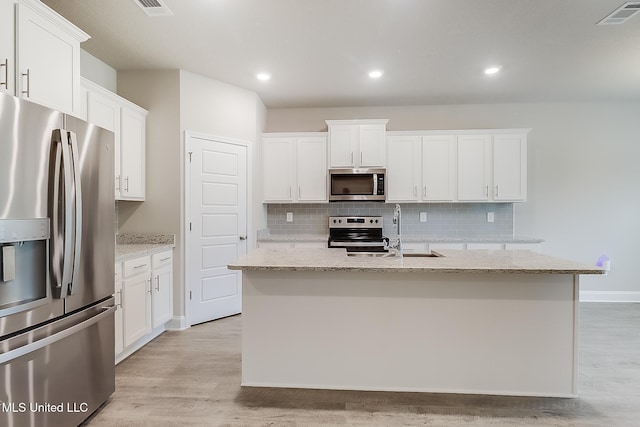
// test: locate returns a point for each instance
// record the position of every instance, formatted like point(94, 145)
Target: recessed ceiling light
point(375, 74)
point(492, 70)
point(263, 76)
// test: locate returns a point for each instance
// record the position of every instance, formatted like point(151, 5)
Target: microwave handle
point(375, 184)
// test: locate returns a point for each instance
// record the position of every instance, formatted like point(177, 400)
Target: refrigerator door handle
point(50, 339)
point(56, 249)
point(77, 193)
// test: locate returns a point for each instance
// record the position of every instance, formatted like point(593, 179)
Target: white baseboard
point(178, 323)
point(609, 296)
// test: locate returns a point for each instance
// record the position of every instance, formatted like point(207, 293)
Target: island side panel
point(509, 334)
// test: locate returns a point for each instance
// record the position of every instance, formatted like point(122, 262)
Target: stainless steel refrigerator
point(57, 231)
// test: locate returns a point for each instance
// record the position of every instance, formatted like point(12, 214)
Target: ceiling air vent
point(153, 7)
point(621, 14)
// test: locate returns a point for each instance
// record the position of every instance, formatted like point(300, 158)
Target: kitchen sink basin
point(421, 255)
point(391, 255)
point(371, 254)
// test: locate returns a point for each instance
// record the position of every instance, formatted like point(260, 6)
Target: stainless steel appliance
point(56, 266)
point(357, 184)
point(357, 234)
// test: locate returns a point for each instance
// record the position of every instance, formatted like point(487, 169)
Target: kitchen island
point(488, 322)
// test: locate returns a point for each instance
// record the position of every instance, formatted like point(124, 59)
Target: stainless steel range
point(357, 234)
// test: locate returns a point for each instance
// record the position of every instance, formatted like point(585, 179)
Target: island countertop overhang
point(451, 261)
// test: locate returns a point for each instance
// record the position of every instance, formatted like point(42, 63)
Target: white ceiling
point(432, 51)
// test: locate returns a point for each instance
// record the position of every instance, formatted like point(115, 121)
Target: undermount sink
point(371, 254)
point(421, 255)
point(390, 254)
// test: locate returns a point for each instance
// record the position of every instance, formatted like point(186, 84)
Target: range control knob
point(376, 221)
point(371, 221)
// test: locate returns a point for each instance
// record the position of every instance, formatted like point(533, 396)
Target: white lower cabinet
point(162, 275)
point(119, 322)
point(136, 299)
point(144, 301)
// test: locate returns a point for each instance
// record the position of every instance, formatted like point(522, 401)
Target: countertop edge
point(125, 252)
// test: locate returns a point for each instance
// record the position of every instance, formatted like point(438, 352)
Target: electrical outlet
point(491, 217)
point(289, 216)
point(423, 217)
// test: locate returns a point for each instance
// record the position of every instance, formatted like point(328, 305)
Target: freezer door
point(58, 374)
point(93, 266)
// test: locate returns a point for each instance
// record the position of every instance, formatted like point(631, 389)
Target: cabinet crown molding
point(457, 132)
point(57, 19)
point(357, 122)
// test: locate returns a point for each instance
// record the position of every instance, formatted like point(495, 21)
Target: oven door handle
point(355, 244)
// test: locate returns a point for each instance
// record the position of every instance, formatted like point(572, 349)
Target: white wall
point(584, 179)
point(98, 72)
point(179, 101)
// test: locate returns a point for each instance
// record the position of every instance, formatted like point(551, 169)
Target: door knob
point(243, 237)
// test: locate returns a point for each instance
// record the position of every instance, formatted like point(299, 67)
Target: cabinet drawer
point(162, 258)
point(137, 266)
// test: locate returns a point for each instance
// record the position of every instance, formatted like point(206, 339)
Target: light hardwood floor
point(192, 378)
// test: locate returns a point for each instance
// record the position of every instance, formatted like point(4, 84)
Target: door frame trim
point(186, 206)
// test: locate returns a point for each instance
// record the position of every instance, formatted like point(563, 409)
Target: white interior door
point(217, 219)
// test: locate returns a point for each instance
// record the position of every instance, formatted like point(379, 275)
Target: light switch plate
point(491, 217)
point(423, 217)
point(8, 263)
point(289, 216)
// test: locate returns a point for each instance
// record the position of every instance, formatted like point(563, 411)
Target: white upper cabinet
point(421, 168)
point(510, 167)
point(457, 166)
point(404, 168)
point(294, 167)
point(132, 154)
point(474, 163)
point(127, 121)
point(357, 143)
point(47, 57)
point(439, 168)
point(311, 169)
point(7, 47)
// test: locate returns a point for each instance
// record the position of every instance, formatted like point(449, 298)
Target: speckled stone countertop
point(134, 245)
point(405, 238)
point(451, 261)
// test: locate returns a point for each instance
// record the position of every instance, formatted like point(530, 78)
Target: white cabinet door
point(474, 162)
point(132, 154)
point(136, 304)
point(48, 59)
point(103, 111)
point(343, 140)
point(162, 289)
point(311, 169)
point(403, 168)
point(119, 322)
point(510, 167)
point(7, 47)
point(277, 169)
point(438, 168)
point(371, 144)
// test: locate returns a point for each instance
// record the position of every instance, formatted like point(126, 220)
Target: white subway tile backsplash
point(445, 220)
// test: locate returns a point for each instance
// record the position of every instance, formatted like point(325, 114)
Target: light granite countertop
point(451, 261)
point(134, 245)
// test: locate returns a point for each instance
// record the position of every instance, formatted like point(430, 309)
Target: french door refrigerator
point(57, 242)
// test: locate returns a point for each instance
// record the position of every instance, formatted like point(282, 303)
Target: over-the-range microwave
point(357, 184)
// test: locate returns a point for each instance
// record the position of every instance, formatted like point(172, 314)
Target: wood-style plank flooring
point(192, 378)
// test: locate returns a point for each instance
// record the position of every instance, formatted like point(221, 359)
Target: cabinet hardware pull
point(486, 190)
point(289, 191)
point(352, 157)
point(415, 191)
point(140, 266)
point(6, 73)
point(149, 282)
point(28, 76)
point(118, 182)
point(299, 192)
point(126, 184)
point(497, 193)
point(165, 259)
point(157, 283)
point(424, 193)
point(361, 158)
point(120, 298)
